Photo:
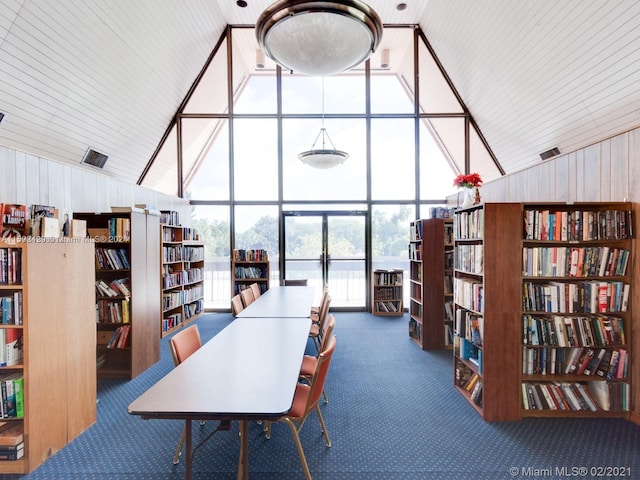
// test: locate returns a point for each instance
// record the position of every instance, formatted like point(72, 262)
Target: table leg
point(187, 447)
point(243, 463)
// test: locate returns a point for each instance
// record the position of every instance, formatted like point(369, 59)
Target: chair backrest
point(255, 288)
point(295, 282)
point(247, 297)
point(329, 325)
point(320, 375)
point(184, 343)
point(236, 305)
point(324, 312)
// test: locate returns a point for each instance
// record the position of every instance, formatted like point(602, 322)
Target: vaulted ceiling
point(109, 75)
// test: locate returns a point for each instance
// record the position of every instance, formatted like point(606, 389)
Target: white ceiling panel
point(109, 75)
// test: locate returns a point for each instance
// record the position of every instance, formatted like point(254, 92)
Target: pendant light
point(323, 157)
point(318, 37)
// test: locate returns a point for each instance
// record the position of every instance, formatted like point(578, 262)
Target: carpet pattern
point(393, 414)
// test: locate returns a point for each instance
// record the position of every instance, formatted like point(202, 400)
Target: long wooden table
point(281, 302)
point(233, 377)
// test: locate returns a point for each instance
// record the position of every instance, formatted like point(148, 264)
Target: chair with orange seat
point(309, 362)
point(315, 310)
point(247, 297)
point(236, 305)
point(182, 345)
point(317, 326)
point(255, 288)
point(305, 400)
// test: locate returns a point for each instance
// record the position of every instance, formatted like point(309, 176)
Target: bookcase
point(387, 293)
point(247, 267)
point(127, 252)
point(430, 283)
point(182, 283)
point(42, 283)
point(541, 339)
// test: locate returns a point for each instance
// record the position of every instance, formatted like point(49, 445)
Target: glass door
point(328, 247)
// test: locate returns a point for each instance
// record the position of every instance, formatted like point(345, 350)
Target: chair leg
point(296, 438)
point(327, 441)
point(176, 457)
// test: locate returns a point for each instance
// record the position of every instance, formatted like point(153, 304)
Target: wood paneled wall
point(27, 179)
point(608, 171)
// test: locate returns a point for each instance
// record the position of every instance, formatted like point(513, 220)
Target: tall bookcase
point(387, 293)
point(538, 301)
point(127, 250)
point(52, 297)
point(430, 283)
point(182, 282)
point(247, 267)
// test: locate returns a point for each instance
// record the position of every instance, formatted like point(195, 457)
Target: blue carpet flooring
point(393, 414)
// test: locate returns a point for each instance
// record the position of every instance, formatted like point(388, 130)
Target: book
point(15, 454)
point(13, 220)
point(11, 434)
point(18, 387)
point(49, 227)
point(37, 214)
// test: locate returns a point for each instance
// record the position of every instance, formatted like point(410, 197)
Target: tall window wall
point(233, 150)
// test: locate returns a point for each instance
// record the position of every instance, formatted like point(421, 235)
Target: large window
point(406, 139)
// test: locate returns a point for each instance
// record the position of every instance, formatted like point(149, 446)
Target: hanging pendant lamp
point(323, 157)
point(318, 37)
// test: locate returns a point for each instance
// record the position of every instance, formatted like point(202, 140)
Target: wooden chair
point(255, 288)
point(182, 345)
point(247, 297)
point(295, 282)
point(305, 400)
point(236, 305)
point(317, 327)
point(309, 362)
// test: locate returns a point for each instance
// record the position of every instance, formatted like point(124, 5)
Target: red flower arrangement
point(468, 181)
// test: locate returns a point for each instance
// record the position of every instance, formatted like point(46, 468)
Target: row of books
point(415, 252)
point(194, 308)
point(11, 347)
point(605, 363)
point(116, 288)
point(469, 258)
point(415, 329)
point(112, 259)
point(113, 311)
point(10, 266)
point(170, 217)
point(388, 277)
point(193, 254)
point(257, 255)
point(576, 297)
point(470, 381)
point(119, 228)
point(568, 331)
point(171, 321)
point(578, 225)
point(119, 337)
point(172, 279)
point(574, 261)
point(250, 272)
point(12, 401)
point(576, 396)
point(441, 212)
point(11, 440)
point(172, 253)
point(415, 231)
point(469, 225)
point(388, 307)
point(11, 308)
point(387, 293)
point(469, 294)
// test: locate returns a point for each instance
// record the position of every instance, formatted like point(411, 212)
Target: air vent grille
point(550, 153)
point(94, 158)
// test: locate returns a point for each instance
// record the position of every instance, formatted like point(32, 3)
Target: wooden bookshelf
point(130, 235)
point(387, 293)
point(182, 272)
point(506, 334)
point(430, 283)
point(59, 384)
point(247, 267)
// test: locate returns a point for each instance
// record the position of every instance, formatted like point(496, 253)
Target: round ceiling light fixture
point(319, 37)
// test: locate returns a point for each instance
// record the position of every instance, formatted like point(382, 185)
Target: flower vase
point(468, 197)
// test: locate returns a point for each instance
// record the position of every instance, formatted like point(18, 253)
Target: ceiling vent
point(94, 158)
point(550, 153)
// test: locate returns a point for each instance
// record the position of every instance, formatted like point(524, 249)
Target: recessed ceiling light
point(241, 3)
point(401, 6)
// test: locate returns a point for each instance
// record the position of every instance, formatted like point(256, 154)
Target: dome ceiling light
point(318, 37)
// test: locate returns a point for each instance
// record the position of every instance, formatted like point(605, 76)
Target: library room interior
point(339, 240)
